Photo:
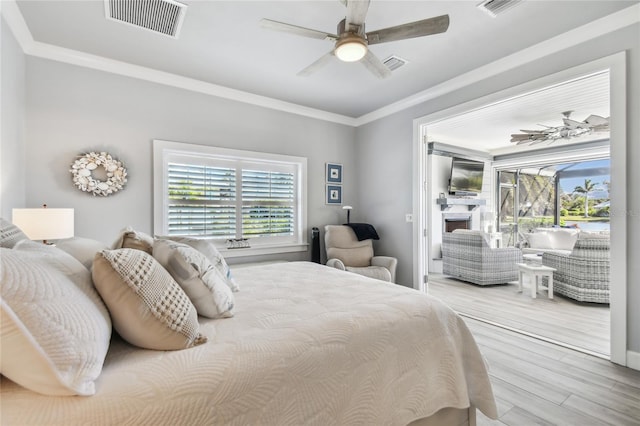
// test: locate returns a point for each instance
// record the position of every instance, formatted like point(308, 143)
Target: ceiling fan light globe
point(351, 49)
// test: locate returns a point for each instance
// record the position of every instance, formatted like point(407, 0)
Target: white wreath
point(84, 166)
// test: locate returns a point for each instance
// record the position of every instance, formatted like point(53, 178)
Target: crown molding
point(597, 28)
point(18, 26)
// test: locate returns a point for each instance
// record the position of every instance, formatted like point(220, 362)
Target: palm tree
point(586, 189)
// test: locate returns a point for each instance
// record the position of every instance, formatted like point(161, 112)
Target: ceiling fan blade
point(375, 65)
point(321, 62)
point(357, 12)
point(294, 29)
point(426, 27)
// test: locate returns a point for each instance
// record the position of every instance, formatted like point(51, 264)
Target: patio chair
point(582, 275)
point(467, 256)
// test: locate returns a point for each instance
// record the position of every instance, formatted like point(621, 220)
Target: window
point(222, 194)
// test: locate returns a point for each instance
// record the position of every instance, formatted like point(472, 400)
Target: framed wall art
point(334, 173)
point(334, 194)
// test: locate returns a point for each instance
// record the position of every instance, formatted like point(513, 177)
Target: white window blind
point(221, 194)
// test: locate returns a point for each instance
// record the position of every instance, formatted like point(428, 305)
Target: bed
point(308, 344)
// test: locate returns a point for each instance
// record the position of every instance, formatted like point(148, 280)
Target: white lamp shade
point(45, 223)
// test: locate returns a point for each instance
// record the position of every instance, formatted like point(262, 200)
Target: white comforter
point(308, 345)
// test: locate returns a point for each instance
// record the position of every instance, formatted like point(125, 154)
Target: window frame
point(167, 151)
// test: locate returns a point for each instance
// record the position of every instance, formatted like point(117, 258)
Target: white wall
point(439, 171)
point(73, 110)
point(12, 123)
point(392, 137)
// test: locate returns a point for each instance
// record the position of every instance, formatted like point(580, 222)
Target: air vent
point(394, 62)
point(496, 7)
point(160, 16)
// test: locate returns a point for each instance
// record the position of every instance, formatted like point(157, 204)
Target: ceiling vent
point(394, 62)
point(160, 16)
point(496, 7)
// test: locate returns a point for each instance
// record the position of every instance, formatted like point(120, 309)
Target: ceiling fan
point(352, 42)
point(569, 129)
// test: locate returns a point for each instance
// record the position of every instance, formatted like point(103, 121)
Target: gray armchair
point(345, 252)
point(582, 275)
point(466, 255)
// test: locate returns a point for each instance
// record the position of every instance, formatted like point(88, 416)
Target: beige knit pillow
point(148, 308)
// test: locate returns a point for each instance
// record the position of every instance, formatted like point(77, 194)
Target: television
point(466, 177)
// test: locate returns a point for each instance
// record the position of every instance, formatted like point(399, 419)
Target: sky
point(568, 184)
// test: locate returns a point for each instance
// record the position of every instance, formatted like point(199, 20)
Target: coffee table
point(535, 274)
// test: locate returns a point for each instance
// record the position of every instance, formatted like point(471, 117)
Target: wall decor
point(86, 172)
point(334, 194)
point(334, 173)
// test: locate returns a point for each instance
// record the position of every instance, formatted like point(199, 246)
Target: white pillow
point(204, 284)
point(148, 308)
point(83, 249)
point(563, 239)
point(55, 328)
point(211, 252)
point(539, 240)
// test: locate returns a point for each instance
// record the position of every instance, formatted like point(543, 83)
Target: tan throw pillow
point(204, 284)
point(207, 248)
point(130, 238)
point(148, 308)
point(55, 328)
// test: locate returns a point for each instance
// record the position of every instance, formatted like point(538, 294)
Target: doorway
point(615, 66)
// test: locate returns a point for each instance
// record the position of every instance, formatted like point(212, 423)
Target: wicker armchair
point(582, 275)
point(466, 255)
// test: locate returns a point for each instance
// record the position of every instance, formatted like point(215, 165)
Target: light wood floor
point(580, 325)
point(539, 383)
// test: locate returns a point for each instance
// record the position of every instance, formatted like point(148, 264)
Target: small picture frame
point(334, 173)
point(334, 195)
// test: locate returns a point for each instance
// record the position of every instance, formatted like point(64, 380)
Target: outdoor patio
point(580, 325)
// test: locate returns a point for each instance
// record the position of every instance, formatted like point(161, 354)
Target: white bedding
point(308, 345)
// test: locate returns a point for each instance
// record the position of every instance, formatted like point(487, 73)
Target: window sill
point(260, 250)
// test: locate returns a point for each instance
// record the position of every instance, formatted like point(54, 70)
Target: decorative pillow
point(594, 235)
point(204, 284)
point(130, 238)
point(55, 328)
point(148, 308)
point(539, 240)
point(211, 252)
point(10, 234)
point(563, 239)
point(83, 249)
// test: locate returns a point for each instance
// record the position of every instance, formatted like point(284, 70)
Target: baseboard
point(633, 360)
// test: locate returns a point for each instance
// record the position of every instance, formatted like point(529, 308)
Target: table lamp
point(348, 209)
point(44, 223)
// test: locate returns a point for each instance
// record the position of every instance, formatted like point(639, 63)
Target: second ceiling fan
point(352, 42)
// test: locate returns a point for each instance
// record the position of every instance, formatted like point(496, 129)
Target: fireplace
point(453, 221)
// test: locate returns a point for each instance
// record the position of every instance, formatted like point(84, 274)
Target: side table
point(535, 274)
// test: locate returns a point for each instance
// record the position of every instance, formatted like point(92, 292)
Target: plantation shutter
point(268, 203)
point(202, 200)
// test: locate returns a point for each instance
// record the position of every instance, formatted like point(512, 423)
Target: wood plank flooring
point(580, 325)
point(539, 383)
